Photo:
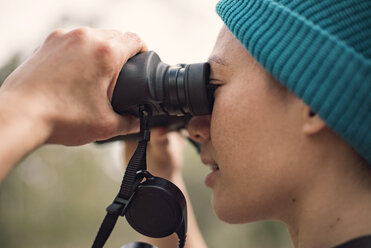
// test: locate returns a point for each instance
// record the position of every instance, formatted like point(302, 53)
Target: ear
point(313, 124)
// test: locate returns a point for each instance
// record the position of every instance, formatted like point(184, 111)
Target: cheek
point(226, 116)
point(227, 127)
point(248, 136)
point(235, 122)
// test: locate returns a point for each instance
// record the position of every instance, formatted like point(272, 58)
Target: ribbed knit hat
point(320, 50)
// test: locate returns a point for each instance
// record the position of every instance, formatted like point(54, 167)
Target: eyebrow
point(217, 60)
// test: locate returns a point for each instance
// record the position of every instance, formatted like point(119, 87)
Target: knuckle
point(104, 49)
point(133, 36)
point(56, 34)
point(79, 35)
point(105, 54)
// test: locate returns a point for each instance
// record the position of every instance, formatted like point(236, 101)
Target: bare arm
point(61, 94)
point(165, 159)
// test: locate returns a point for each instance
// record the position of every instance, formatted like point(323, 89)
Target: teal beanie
point(320, 50)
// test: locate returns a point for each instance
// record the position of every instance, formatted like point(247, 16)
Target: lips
point(209, 162)
point(211, 178)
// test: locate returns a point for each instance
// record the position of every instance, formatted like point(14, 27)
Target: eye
point(211, 88)
point(215, 82)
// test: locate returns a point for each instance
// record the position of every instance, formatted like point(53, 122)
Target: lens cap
point(138, 245)
point(157, 208)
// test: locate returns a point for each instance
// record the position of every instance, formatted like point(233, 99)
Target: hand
point(68, 84)
point(165, 153)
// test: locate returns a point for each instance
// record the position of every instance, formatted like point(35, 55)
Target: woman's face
point(252, 137)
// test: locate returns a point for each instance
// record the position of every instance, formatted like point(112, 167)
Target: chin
point(228, 212)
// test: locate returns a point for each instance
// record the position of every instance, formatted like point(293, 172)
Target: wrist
point(21, 131)
point(24, 116)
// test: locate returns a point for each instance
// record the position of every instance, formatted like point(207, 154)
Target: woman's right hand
point(68, 82)
point(61, 94)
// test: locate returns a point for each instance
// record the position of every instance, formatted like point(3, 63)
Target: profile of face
point(252, 141)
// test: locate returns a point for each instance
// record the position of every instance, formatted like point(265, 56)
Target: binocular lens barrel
point(173, 93)
point(186, 91)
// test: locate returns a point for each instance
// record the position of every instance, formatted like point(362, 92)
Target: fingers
point(58, 33)
point(121, 46)
point(124, 38)
point(109, 50)
point(128, 45)
point(115, 44)
point(108, 34)
point(125, 44)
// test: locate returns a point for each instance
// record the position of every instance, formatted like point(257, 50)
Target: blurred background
point(57, 196)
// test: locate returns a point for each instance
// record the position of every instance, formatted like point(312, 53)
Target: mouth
point(213, 167)
point(210, 179)
point(209, 162)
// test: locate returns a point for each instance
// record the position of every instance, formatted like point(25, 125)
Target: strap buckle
point(119, 205)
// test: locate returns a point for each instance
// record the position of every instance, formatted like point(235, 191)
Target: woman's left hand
point(165, 152)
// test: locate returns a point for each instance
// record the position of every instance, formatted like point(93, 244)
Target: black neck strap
point(129, 183)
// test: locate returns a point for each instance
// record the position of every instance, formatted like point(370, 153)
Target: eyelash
point(215, 82)
point(212, 87)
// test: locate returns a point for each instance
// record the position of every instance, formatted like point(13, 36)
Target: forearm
point(21, 131)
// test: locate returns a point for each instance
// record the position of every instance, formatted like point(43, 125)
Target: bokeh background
point(57, 196)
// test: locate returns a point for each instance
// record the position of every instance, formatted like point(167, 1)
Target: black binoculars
point(161, 95)
point(173, 94)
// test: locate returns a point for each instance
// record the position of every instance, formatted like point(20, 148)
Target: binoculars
point(160, 95)
point(173, 94)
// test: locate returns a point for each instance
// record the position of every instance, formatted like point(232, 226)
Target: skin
point(276, 159)
point(61, 93)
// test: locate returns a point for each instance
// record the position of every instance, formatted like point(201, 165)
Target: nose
point(199, 128)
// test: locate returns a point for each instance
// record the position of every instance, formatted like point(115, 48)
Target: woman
point(289, 137)
point(290, 133)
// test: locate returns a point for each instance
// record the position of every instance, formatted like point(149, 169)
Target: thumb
point(126, 124)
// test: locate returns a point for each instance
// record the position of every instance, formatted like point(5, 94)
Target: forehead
point(228, 51)
point(230, 58)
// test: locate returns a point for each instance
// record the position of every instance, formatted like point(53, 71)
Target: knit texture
point(320, 50)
